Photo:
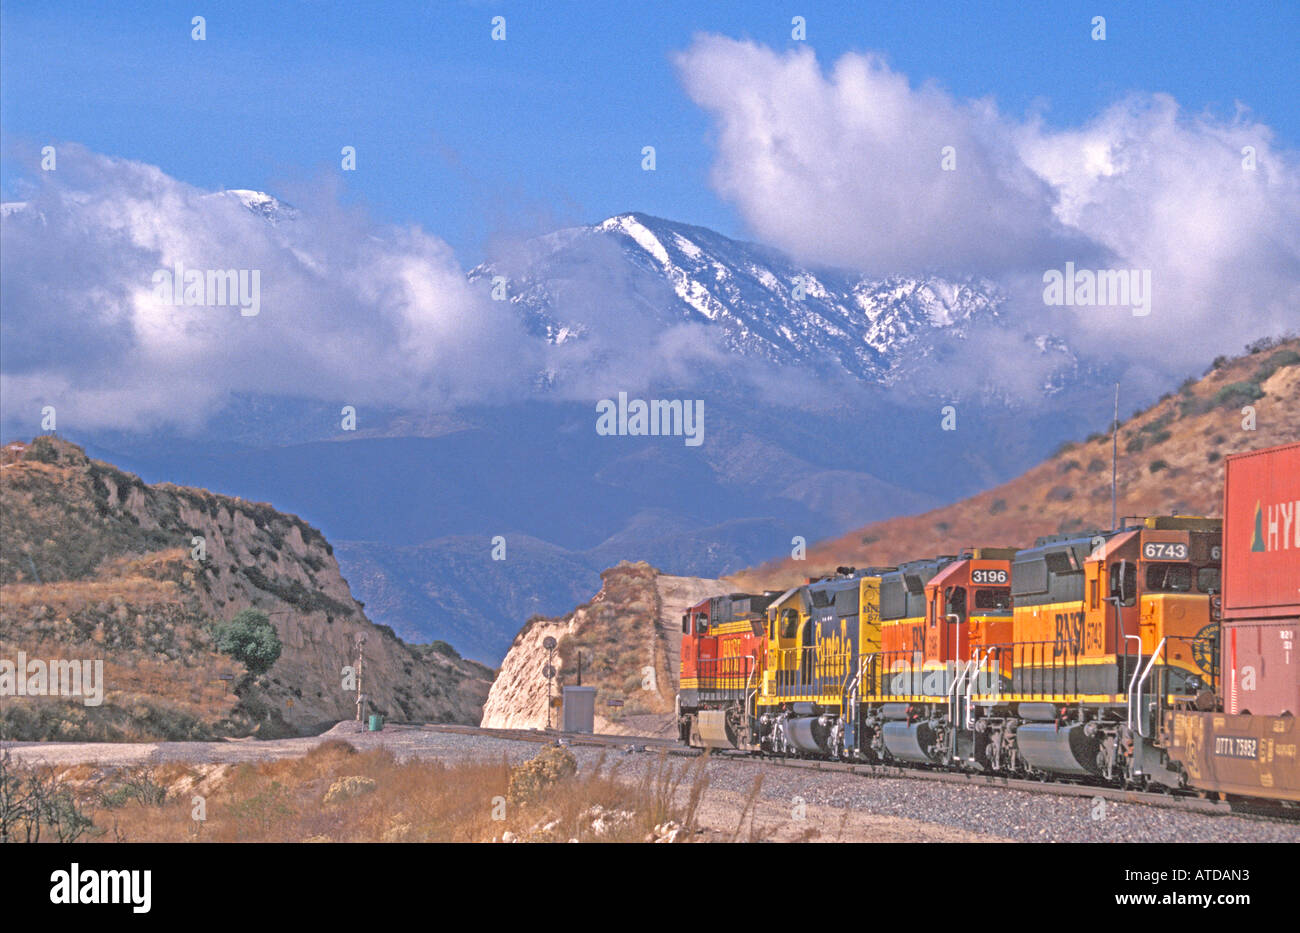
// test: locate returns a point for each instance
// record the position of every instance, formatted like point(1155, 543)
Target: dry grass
point(409, 801)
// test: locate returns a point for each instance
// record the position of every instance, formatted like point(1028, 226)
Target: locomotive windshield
point(1207, 580)
point(997, 599)
point(1169, 578)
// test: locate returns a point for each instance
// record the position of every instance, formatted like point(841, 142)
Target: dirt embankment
point(94, 563)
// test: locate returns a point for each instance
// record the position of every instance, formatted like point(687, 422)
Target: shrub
point(1213, 456)
point(349, 787)
point(999, 505)
point(442, 647)
point(1060, 494)
point(1238, 393)
point(250, 639)
point(1275, 362)
point(42, 450)
point(1157, 466)
point(529, 780)
point(32, 800)
point(1262, 344)
point(1135, 444)
point(1096, 465)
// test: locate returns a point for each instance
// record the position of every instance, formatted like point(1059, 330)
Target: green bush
point(42, 450)
point(251, 639)
point(1157, 466)
point(1238, 393)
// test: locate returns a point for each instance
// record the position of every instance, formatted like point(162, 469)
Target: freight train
point(1159, 655)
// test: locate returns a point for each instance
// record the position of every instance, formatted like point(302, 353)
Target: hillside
point(1170, 461)
point(96, 564)
point(629, 638)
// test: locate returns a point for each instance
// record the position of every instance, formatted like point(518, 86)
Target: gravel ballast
point(954, 812)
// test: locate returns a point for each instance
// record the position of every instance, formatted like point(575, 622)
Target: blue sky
point(468, 137)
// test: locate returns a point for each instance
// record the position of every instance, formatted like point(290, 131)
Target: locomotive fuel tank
point(809, 734)
point(1065, 750)
point(910, 741)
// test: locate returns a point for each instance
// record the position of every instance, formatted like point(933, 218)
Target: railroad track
point(1187, 803)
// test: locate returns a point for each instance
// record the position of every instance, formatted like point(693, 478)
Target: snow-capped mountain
point(767, 306)
point(266, 206)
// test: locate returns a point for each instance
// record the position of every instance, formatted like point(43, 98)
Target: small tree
point(251, 639)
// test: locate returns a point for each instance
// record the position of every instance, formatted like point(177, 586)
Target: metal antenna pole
point(1114, 465)
point(361, 660)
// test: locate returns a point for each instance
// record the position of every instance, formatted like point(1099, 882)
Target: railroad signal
point(549, 673)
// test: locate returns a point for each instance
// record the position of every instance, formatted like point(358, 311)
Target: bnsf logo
point(1069, 634)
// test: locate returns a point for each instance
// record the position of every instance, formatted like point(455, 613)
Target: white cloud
point(350, 312)
point(842, 167)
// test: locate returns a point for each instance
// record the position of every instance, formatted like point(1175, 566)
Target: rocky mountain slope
point(1170, 461)
point(629, 638)
point(96, 564)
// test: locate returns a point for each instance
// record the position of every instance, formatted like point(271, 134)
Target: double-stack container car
point(1248, 743)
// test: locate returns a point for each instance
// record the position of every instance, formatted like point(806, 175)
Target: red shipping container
point(1261, 534)
point(1261, 670)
